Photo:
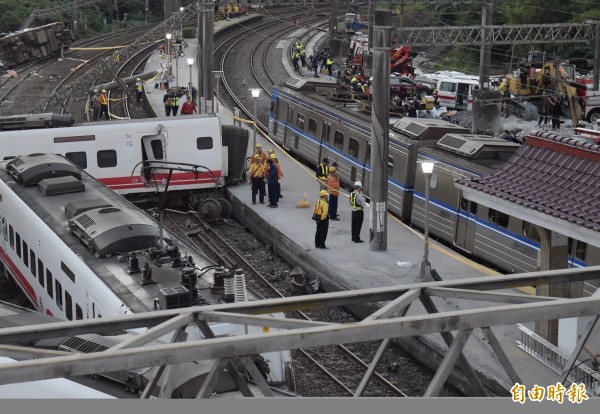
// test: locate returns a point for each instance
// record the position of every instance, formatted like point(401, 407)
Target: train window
point(580, 249)
point(157, 149)
point(300, 122)
point(40, 270)
point(325, 128)
point(498, 218)
point(107, 158)
point(25, 253)
point(312, 127)
point(11, 236)
point(353, 147)
point(368, 154)
point(464, 203)
point(296, 141)
point(530, 231)
point(32, 262)
point(68, 306)
point(390, 165)
point(67, 271)
point(448, 86)
point(78, 312)
point(49, 282)
point(338, 140)
point(18, 244)
point(204, 143)
point(58, 291)
point(473, 208)
point(77, 158)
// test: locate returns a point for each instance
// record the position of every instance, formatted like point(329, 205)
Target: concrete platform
point(346, 266)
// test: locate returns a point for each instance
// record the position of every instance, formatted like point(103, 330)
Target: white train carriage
point(116, 152)
point(78, 250)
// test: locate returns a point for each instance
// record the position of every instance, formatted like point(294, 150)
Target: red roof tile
point(559, 176)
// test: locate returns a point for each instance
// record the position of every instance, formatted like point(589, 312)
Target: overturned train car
point(32, 44)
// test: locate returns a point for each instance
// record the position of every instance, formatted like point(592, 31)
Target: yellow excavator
point(547, 80)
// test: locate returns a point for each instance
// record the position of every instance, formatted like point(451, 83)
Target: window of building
point(312, 127)
point(77, 158)
point(498, 218)
point(59, 293)
point(338, 140)
point(107, 158)
point(18, 244)
point(32, 262)
point(204, 143)
point(11, 237)
point(78, 312)
point(67, 271)
point(300, 122)
point(530, 231)
point(353, 147)
point(325, 127)
point(25, 253)
point(40, 270)
point(49, 284)
point(390, 165)
point(68, 306)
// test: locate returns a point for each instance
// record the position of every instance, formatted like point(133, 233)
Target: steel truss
point(388, 322)
point(497, 35)
point(53, 11)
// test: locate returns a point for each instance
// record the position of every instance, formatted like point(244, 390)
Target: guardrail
point(553, 358)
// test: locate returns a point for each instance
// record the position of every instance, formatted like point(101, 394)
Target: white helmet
point(358, 184)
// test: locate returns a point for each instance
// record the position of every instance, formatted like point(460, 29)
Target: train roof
point(104, 230)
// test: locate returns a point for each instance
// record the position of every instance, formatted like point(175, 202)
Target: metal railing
point(553, 358)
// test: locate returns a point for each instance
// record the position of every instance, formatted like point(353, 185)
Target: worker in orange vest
point(103, 105)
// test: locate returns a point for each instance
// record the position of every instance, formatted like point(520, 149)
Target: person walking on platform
point(302, 53)
point(323, 173)
point(295, 59)
point(357, 202)
point(139, 88)
point(279, 173)
point(315, 65)
point(174, 104)
point(333, 183)
point(95, 100)
point(189, 107)
point(168, 103)
point(103, 105)
point(329, 65)
point(260, 153)
point(321, 216)
point(257, 180)
point(272, 182)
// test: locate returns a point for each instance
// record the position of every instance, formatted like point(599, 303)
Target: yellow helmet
point(323, 193)
point(103, 90)
point(257, 157)
point(332, 169)
point(258, 145)
point(138, 79)
point(273, 156)
point(270, 151)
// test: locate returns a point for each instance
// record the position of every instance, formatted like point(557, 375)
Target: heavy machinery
point(552, 78)
point(402, 61)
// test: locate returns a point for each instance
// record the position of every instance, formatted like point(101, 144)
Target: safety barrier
point(553, 358)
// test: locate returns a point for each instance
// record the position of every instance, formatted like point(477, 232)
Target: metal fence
point(553, 358)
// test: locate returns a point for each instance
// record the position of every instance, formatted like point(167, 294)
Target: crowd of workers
point(265, 171)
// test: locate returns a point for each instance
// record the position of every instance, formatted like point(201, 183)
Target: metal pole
point(217, 97)
point(190, 85)
point(597, 58)
point(199, 57)
point(486, 49)
point(177, 69)
point(209, 56)
point(380, 129)
point(254, 134)
point(425, 265)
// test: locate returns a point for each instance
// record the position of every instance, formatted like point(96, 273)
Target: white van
point(454, 88)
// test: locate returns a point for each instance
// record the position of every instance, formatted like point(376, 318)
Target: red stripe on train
point(176, 179)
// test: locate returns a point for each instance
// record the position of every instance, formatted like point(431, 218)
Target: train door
point(153, 149)
point(288, 122)
point(466, 224)
point(365, 173)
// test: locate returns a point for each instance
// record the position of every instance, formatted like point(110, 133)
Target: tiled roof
point(558, 176)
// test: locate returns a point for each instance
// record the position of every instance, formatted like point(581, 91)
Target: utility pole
point(332, 23)
point(485, 51)
point(369, 61)
point(597, 58)
point(205, 55)
point(380, 128)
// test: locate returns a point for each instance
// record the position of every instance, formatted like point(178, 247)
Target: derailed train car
point(36, 43)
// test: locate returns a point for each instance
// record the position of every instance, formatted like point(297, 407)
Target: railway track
point(204, 237)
